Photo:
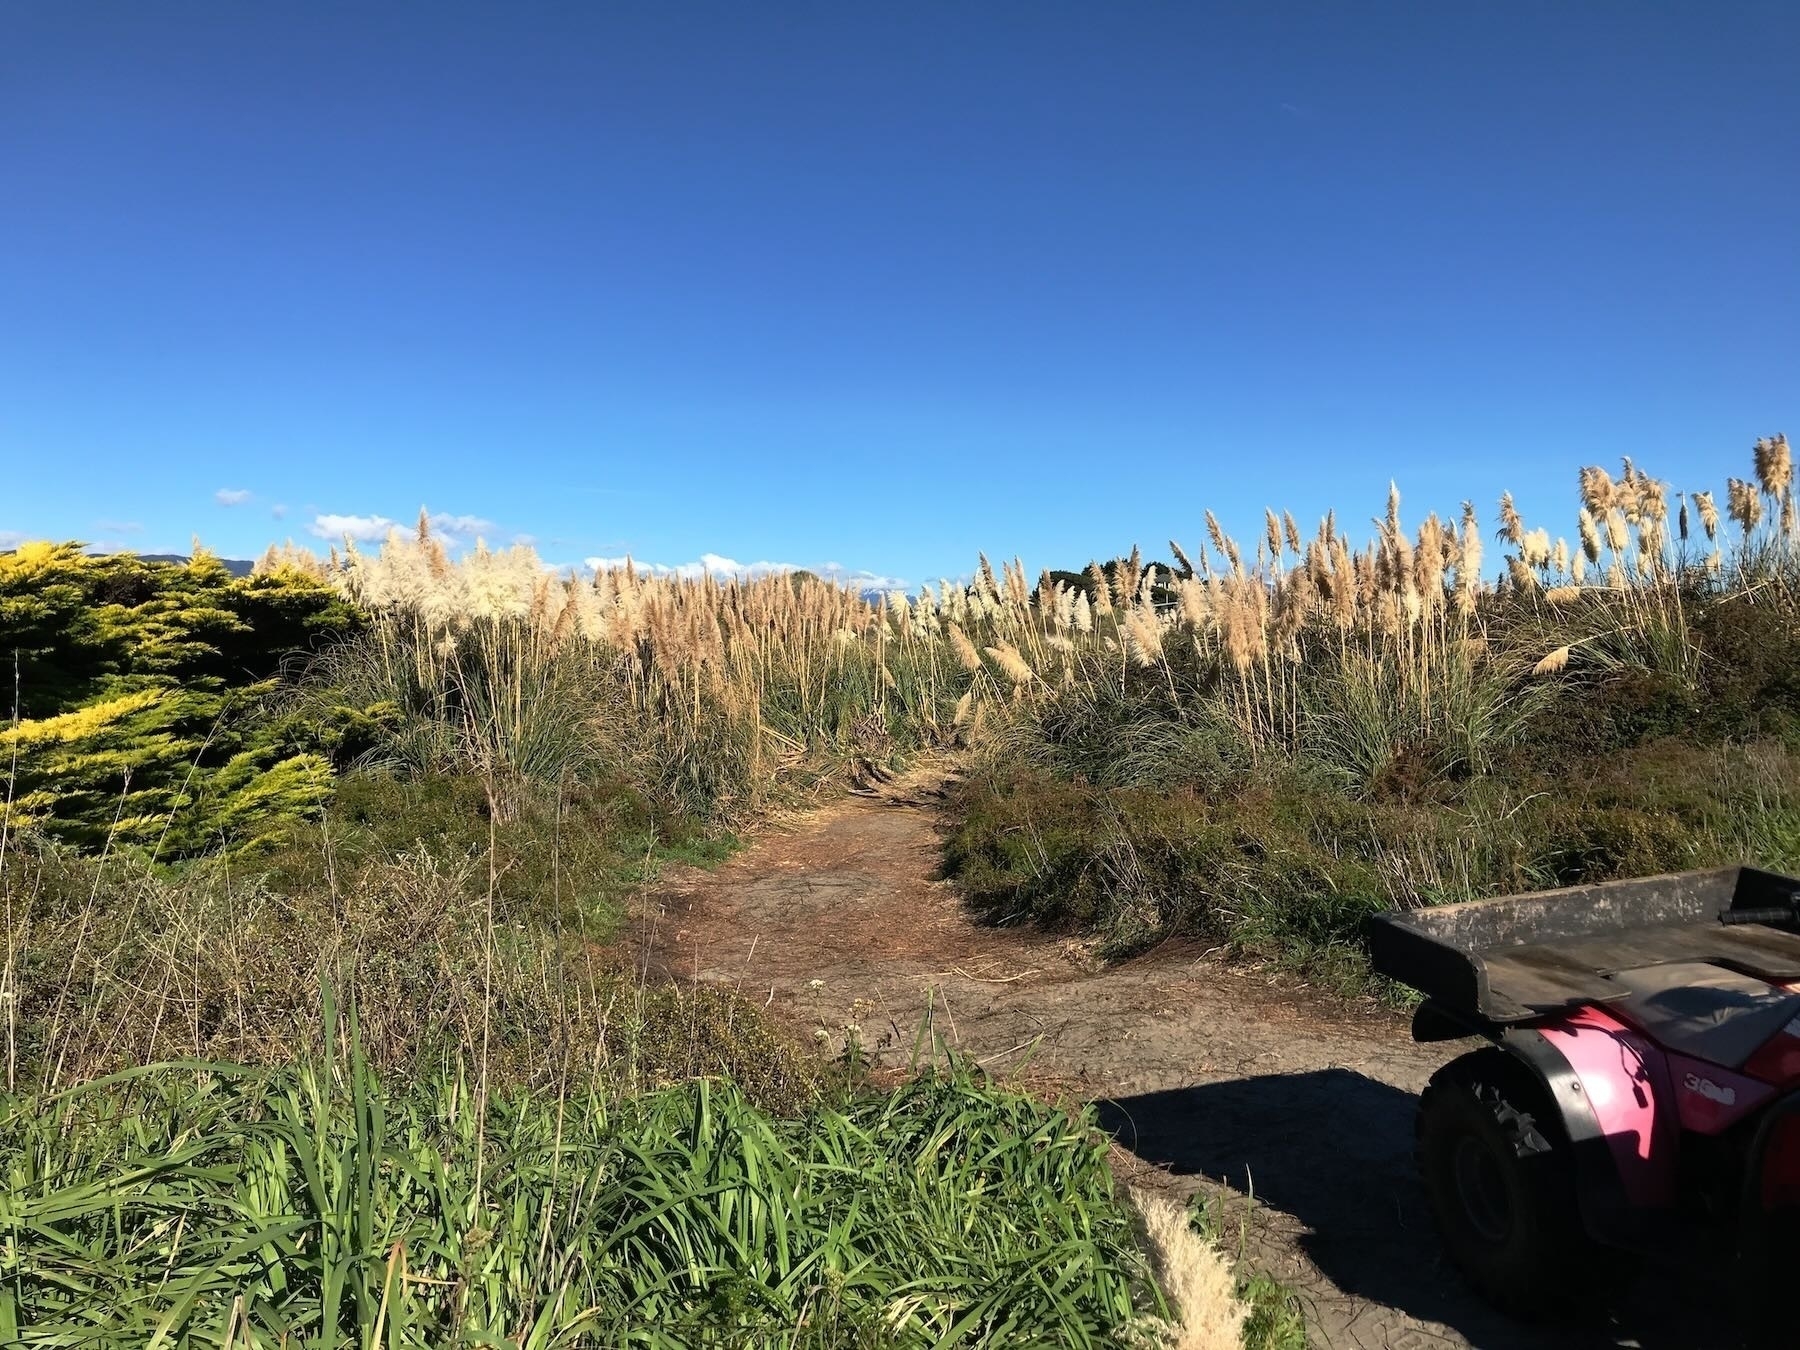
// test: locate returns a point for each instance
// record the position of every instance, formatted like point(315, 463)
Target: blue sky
point(880, 284)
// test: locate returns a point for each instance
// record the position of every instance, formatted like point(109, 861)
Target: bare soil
point(1211, 1077)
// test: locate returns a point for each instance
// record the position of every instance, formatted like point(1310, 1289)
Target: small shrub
point(143, 694)
point(1285, 868)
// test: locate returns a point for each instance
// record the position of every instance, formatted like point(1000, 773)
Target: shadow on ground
point(1333, 1150)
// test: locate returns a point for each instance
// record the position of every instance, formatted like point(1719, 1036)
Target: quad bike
point(1640, 1092)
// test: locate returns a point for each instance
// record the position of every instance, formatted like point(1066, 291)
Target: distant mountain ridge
point(238, 567)
point(242, 567)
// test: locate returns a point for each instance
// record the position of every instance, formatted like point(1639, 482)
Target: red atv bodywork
point(1644, 1098)
point(1660, 1020)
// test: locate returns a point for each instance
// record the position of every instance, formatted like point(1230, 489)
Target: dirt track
point(1210, 1077)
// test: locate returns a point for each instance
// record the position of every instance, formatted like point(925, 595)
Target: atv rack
point(1518, 958)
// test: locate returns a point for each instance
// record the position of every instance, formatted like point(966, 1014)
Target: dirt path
point(1211, 1077)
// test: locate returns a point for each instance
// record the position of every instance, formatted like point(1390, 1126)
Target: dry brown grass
point(127, 966)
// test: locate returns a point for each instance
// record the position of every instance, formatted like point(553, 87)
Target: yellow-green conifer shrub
point(138, 708)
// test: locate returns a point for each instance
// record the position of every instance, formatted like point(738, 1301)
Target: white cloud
point(12, 538)
point(862, 580)
point(458, 529)
point(279, 510)
point(363, 529)
point(232, 496)
point(714, 564)
point(707, 563)
point(451, 529)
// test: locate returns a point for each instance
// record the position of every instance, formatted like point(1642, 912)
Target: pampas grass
point(1007, 657)
point(1201, 1287)
point(720, 687)
point(1553, 662)
point(1774, 466)
point(1247, 642)
point(1743, 505)
point(710, 691)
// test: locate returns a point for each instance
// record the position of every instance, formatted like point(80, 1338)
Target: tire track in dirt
point(1211, 1078)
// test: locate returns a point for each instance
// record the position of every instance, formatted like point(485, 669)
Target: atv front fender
point(1621, 1078)
point(1609, 1087)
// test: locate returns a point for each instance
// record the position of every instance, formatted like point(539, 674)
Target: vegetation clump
point(710, 695)
point(1278, 738)
point(135, 693)
point(519, 1138)
point(203, 1205)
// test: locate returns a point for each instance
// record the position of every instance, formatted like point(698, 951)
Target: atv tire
point(1497, 1170)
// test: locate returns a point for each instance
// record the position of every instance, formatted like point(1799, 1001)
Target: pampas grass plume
point(964, 649)
point(1084, 613)
point(1512, 528)
point(1618, 537)
point(1292, 530)
point(1709, 513)
point(1017, 669)
point(1102, 589)
point(1596, 490)
point(1742, 503)
point(1199, 1282)
point(987, 576)
point(1590, 535)
point(1774, 465)
point(1217, 535)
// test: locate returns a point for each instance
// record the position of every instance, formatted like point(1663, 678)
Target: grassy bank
point(1283, 865)
point(321, 1206)
point(457, 937)
point(1267, 743)
point(439, 780)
